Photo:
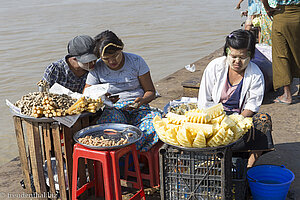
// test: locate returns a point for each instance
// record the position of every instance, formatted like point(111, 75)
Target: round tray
point(218, 148)
point(46, 119)
point(98, 131)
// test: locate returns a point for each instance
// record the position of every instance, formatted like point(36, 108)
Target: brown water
point(168, 34)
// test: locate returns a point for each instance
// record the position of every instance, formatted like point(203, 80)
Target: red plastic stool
point(150, 176)
point(115, 156)
point(153, 165)
point(102, 157)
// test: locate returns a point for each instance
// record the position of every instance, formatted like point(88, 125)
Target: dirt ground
point(286, 131)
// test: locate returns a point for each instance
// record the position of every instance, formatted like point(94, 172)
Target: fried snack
point(176, 119)
point(78, 106)
point(51, 104)
point(93, 105)
point(49, 107)
point(37, 111)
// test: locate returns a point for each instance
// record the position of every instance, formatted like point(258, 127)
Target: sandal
point(277, 100)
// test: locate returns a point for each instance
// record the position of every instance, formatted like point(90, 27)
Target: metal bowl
point(218, 148)
point(98, 131)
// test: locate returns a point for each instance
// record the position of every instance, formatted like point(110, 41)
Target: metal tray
point(218, 148)
point(98, 131)
point(45, 119)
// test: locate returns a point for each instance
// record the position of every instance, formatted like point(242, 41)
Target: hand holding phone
point(112, 98)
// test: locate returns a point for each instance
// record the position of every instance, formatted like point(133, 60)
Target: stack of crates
point(198, 174)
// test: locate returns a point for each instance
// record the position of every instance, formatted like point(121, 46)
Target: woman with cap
point(234, 80)
point(71, 71)
point(129, 77)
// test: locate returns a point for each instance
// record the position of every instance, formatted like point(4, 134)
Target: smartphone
point(113, 96)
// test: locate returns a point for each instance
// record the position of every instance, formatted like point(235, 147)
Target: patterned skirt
point(141, 118)
point(266, 30)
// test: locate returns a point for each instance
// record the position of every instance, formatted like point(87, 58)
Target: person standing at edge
point(71, 71)
point(285, 45)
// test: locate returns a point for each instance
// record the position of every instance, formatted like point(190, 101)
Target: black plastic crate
point(239, 178)
point(195, 174)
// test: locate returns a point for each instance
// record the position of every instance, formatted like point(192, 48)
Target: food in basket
point(44, 104)
point(220, 130)
point(101, 141)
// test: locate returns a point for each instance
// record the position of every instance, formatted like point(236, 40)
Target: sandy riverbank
point(286, 130)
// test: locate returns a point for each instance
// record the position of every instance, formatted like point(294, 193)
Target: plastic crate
point(195, 175)
point(239, 178)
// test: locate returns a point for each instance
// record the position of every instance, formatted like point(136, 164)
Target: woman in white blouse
point(234, 80)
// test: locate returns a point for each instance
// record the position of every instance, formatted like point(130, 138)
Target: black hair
point(104, 39)
point(240, 39)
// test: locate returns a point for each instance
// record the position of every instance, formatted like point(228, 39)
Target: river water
point(168, 34)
